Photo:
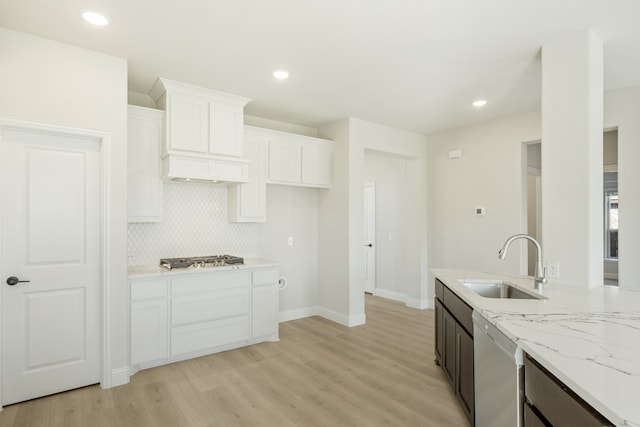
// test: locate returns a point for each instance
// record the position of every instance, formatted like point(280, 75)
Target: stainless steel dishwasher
point(498, 376)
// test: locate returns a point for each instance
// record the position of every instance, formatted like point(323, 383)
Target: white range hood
point(214, 170)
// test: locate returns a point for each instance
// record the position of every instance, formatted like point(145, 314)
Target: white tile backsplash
point(194, 224)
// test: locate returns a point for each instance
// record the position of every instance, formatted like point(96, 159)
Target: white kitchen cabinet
point(285, 162)
point(149, 337)
point(266, 296)
point(299, 160)
point(248, 202)
point(316, 165)
point(200, 121)
point(179, 316)
point(187, 127)
point(144, 164)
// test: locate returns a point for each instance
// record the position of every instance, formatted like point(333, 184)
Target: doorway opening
point(611, 206)
point(534, 200)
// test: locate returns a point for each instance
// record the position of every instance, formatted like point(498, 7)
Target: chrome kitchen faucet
point(541, 273)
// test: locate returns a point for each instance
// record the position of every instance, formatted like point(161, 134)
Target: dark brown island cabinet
point(454, 345)
point(549, 402)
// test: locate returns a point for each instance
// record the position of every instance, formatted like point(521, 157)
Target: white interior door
point(370, 237)
point(51, 231)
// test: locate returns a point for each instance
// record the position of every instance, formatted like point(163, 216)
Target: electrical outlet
point(290, 241)
point(553, 270)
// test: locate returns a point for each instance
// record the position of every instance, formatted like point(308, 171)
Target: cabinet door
point(285, 162)
point(449, 338)
point(531, 419)
point(439, 332)
point(316, 165)
point(265, 311)
point(464, 384)
point(248, 202)
point(187, 124)
point(149, 331)
point(144, 172)
point(225, 129)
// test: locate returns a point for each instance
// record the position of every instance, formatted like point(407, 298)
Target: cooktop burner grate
point(201, 261)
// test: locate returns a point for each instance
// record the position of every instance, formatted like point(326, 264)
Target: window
point(611, 215)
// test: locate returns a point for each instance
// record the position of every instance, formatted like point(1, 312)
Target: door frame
point(105, 141)
point(374, 248)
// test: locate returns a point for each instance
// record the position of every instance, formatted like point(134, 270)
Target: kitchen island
point(588, 338)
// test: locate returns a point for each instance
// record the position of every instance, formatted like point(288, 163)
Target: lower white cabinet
point(192, 314)
point(266, 297)
point(149, 330)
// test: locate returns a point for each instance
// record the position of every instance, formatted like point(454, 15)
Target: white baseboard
point(409, 302)
point(334, 316)
point(343, 319)
point(299, 313)
point(392, 295)
point(120, 376)
point(421, 304)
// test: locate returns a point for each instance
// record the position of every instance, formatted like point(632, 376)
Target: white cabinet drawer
point(265, 277)
point(210, 306)
point(202, 336)
point(146, 289)
point(209, 282)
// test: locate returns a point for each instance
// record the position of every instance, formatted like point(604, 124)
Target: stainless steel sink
point(497, 289)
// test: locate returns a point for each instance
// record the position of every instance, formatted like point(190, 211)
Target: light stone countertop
point(143, 271)
point(588, 338)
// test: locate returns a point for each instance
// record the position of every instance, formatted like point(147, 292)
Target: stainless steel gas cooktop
point(201, 261)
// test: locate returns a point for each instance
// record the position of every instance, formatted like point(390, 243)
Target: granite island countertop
point(588, 338)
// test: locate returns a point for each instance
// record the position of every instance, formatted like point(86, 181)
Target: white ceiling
point(410, 64)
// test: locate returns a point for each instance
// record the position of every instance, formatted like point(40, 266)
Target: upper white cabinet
point(144, 170)
point(285, 162)
point(205, 125)
point(248, 202)
point(298, 160)
point(316, 164)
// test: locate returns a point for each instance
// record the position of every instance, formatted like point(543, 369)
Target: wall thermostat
point(480, 211)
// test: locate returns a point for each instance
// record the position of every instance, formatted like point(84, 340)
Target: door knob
point(13, 280)
point(370, 245)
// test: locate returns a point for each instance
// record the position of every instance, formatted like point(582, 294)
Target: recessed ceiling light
point(95, 18)
point(280, 74)
point(479, 103)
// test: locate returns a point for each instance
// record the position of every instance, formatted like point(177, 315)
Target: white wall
point(293, 212)
point(489, 174)
point(341, 223)
point(49, 82)
point(333, 231)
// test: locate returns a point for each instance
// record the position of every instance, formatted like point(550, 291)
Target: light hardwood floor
point(318, 374)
